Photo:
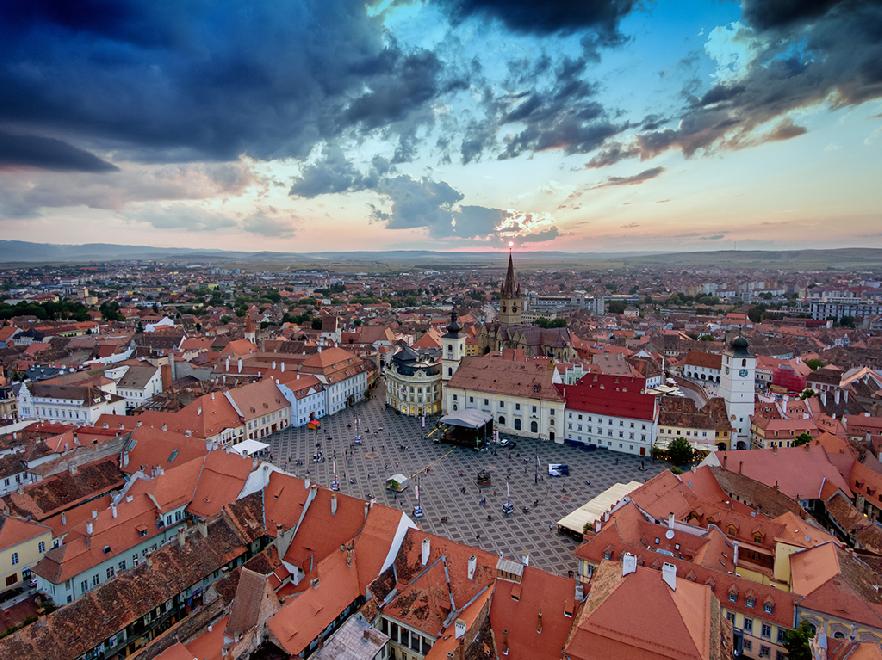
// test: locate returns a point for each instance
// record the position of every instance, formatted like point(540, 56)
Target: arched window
point(449, 371)
point(534, 427)
point(744, 362)
point(501, 420)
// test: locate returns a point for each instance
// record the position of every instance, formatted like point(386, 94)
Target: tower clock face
point(742, 373)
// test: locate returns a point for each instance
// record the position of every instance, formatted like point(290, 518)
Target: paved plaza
point(394, 443)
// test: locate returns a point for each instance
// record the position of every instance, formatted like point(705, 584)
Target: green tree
point(139, 328)
point(615, 307)
point(796, 641)
point(815, 363)
point(756, 313)
point(680, 451)
point(802, 439)
point(543, 322)
point(316, 324)
point(110, 311)
point(807, 393)
point(846, 322)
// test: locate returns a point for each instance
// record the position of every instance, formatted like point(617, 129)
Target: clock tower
point(511, 302)
point(452, 348)
point(738, 389)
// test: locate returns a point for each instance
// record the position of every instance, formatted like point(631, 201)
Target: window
point(110, 572)
point(501, 420)
point(84, 586)
point(96, 580)
point(517, 425)
point(517, 406)
point(765, 651)
point(748, 625)
point(766, 631)
point(14, 558)
point(534, 427)
point(768, 607)
point(121, 565)
point(41, 547)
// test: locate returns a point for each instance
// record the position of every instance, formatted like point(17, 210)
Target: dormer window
point(750, 601)
point(768, 607)
point(733, 596)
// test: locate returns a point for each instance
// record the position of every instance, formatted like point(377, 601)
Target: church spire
point(510, 287)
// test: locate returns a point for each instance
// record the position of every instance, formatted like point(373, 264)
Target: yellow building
point(22, 545)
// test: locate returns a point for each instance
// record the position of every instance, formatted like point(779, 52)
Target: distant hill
point(14, 252)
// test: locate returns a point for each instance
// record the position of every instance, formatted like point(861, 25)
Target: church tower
point(511, 303)
point(452, 348)
point(738, 387)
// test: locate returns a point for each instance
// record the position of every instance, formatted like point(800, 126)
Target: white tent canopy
point(469, 418)
point(589, 513)
point(249, 447)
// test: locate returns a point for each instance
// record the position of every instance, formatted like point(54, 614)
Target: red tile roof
point(616, 396)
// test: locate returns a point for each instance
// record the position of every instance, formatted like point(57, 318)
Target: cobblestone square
point(395, 443)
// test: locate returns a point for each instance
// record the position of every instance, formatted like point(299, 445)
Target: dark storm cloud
point(47, 153)
point(833, 55)
point(550, 16)
point(769, 14)
point(633, 180)
point(171, 80)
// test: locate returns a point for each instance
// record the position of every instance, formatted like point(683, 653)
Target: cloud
point(566, 115)
point(436, 207)
point(712, 237)
point(612, 154)
point(19, 150)
point(773, 14)
point(265, 225)
point(181, 81)
point(27, 194)
point(183, 217)
point(601, 17)
point(830, 53)
point(634, 179)
point(631, 225)
point(334, 173)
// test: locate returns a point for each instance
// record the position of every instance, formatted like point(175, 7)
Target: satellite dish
point(669, 534)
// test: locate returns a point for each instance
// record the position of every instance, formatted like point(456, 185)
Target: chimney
point(784, 405)
point(239, 365)
point(89, 528)
point(735, 554)
point(76, 439)
point(333, 504)
point(669, 575)
point(94, 514)
point(724, 461)
point(113, 510)
point(199, 410)
point(367, 509)
point(227, 365)
point(164, 427)
point(539, 624)
point(824, 398)
point(425, 553)
point(63, 519)
point(671, 520)
point(629, 564)
point(473, 564)
point(283, 367)
point(836, 396)
point(182, 538)
point(459, 629)
point(740, 465)
point(274, 365)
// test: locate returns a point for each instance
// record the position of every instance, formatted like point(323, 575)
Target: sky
point(327, 125)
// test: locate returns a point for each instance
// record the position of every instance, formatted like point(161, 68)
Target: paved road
point(362, 472)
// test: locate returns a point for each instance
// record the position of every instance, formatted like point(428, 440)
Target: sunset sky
point(451, 125)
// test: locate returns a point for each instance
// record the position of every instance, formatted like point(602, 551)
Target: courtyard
point(453, 503)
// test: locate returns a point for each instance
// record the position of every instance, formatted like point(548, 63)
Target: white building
point(306, 395)
point(342, 374)
point(518, 391)
point(611, 412)
point(139, 384)
point(66, 399)
point(738, 389)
